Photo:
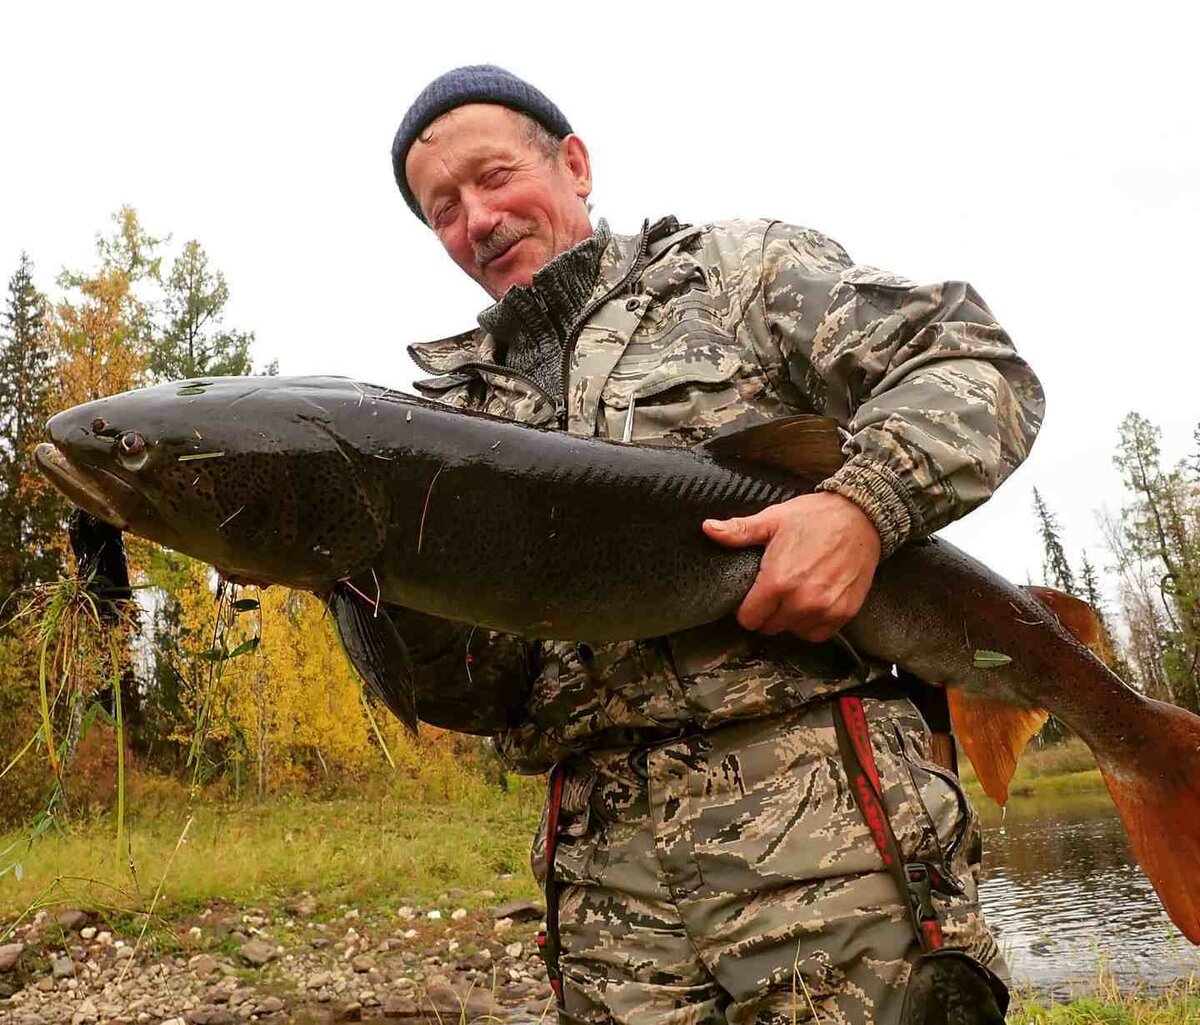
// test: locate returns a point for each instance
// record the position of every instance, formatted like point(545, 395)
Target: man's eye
point(497, 177)
point(443, 215)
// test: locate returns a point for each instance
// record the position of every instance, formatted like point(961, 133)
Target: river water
point(1067, 901)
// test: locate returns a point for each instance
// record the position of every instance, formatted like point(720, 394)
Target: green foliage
point(1158, 550)
point(193, 342)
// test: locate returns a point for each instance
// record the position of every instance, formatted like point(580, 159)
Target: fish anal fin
point(1077, 617)
point(1156, 788)
point(993, 735)
point(377, 652)
point(805, 446)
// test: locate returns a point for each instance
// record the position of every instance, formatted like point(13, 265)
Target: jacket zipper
point(592, 307)
point(560, 405)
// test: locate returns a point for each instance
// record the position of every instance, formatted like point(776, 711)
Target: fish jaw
point(78, 486)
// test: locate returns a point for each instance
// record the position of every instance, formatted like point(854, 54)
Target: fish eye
point(131, 443)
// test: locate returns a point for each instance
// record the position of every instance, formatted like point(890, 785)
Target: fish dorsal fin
point(805, 446)
point(1077, 617)
point(993, 734)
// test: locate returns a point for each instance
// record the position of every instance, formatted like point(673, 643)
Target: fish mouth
point(77, 485)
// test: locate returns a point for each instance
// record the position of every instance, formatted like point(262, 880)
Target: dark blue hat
point(476, 83)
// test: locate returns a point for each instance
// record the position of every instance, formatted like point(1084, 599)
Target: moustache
point(502, 238)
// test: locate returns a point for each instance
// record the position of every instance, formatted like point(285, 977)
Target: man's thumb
point(740, 531)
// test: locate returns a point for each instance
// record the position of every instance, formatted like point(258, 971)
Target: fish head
point(243, 473)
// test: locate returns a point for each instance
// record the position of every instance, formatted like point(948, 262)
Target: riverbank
point(1179, 1005)
point(1064, 768)
point(410, 899)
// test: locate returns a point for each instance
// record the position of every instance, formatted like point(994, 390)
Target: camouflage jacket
point(691, 331)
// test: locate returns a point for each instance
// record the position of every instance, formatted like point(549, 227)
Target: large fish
point(369, 497)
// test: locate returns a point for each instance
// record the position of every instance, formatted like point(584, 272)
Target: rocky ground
point(462, 959)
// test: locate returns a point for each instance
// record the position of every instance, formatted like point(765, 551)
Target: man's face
point(499, 205)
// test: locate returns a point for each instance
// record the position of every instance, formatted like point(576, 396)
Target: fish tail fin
point(1156, 788)
point(993, 735)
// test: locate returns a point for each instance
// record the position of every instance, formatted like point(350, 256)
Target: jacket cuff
point(880, 494)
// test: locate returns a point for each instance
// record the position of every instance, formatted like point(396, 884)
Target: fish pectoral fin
point(805, 446)
point(1156, 788)
point(993, 735)
point(377, 652)
point(1077, 617)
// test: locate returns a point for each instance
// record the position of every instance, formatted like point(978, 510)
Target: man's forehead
point(474, 124)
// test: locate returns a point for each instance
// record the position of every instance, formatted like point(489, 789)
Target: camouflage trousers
point(728, 876)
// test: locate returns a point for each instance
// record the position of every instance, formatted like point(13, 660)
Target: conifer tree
point(31, 514)
point(1056, 570)
point(193, 342)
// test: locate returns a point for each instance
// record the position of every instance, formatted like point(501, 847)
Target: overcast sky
point(1051, 159)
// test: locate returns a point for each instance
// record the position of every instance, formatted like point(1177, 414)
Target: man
point(706, 856)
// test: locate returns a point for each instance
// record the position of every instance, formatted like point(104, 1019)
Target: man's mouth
point(503, 253)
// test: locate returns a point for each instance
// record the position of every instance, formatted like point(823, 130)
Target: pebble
point(257, 952)
point(73, 921)
point(10, 955)
point(372, 973)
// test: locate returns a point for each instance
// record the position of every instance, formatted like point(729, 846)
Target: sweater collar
point(548, 307)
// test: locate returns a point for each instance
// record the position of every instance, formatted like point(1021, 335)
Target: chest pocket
point(677, 383)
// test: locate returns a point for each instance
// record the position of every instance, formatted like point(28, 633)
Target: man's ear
point(574, 158)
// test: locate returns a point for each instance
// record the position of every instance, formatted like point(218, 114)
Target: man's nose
point(482, 219)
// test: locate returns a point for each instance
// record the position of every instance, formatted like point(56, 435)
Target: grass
point(406, 842)
point(1179, 1005)
point(1064, 768)
point(382, 848)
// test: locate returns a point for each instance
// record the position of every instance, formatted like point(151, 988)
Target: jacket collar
point(478, 345)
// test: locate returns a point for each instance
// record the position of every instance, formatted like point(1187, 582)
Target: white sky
point(1051, 158)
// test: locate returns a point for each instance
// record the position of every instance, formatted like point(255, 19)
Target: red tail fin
point(1156, 788)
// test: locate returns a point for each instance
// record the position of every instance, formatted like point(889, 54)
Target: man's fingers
point(759, 605)
point(742, 531)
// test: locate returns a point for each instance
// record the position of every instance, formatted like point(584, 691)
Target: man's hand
point(820, 558)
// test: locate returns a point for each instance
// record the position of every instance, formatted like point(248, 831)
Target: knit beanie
point(476, 83)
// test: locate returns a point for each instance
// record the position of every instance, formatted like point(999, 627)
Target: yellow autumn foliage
point(288, 708)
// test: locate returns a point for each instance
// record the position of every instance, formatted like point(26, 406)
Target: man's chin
point(515, 267)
